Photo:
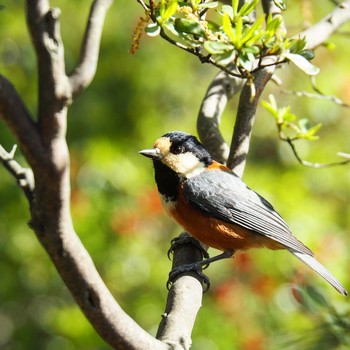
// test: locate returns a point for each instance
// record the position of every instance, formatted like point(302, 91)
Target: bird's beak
point(151, 153)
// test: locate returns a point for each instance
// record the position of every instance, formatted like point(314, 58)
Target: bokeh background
point(259, 300)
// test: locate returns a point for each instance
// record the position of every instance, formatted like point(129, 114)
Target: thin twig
point(318, 96)
point(306, 163)
point(24, 176)
point(143, 4)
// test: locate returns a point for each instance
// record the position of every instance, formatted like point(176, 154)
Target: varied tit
point(216, 207)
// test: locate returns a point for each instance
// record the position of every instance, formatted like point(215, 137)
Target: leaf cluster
point(227, 34)
point(289, 126)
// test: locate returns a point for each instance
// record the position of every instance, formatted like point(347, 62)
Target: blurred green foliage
point(260, 299)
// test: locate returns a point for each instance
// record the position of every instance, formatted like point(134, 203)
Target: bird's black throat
point(167, 180)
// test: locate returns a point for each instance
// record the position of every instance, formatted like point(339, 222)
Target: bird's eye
point(178, 149)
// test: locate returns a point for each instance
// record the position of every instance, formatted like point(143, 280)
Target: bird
point(216, 207)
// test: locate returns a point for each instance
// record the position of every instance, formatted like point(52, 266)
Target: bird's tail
point(321, 270)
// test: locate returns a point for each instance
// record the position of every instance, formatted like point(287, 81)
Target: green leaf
point(162, 8)
point(273, 102)
point(297, 45)
point(245, 61)
point(286, 115)
point(302, 63)
point(329, 45)
point(239, 32)
point(213, 26)
point(188, 26)
point(271, 106)
point(247, 8)
point(208, 5)
point(273, 24)
point(217, 47)
point(280, 4)
point(235, 4)
point(253, 34)
point(153, 29)
point(228, 10)
point(282, 115)
point(170, 10)
point(226, 58)
point(195, 3)
point(252, 49)
point(308, 54)
point(308, 132)
point(227, 27)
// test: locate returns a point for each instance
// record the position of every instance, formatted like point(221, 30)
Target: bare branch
point(50, 203)
point(81, 277)
point(16, 115)
point(86, 69)
point(24, 176)
point(54, 94)
point(248, 102)
point(321, 31)
point(220, 90)
point(184, 300)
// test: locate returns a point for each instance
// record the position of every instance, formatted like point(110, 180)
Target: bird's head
point(181, 152)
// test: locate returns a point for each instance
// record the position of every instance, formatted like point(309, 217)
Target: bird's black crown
point(182, 142)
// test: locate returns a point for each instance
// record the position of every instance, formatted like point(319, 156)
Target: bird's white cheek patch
point(185, 164)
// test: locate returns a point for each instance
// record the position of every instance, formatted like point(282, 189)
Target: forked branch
point(43, 143)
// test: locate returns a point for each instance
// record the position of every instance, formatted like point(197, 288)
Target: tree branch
point(220, 90)
point(184, 300)
point(86, 69)
point(54, 94)
point(47, 152)
point(24, 176)
point(16, 115)
point(322, 30)
point(245, 118)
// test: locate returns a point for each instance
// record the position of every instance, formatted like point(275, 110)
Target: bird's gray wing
point(224, 196)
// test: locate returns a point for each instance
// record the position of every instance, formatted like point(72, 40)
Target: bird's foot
point(185, 238)
point(194, 267)
point(197, 267)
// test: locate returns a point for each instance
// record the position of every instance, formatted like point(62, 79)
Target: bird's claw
point(195, 267)
point(185, 238)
